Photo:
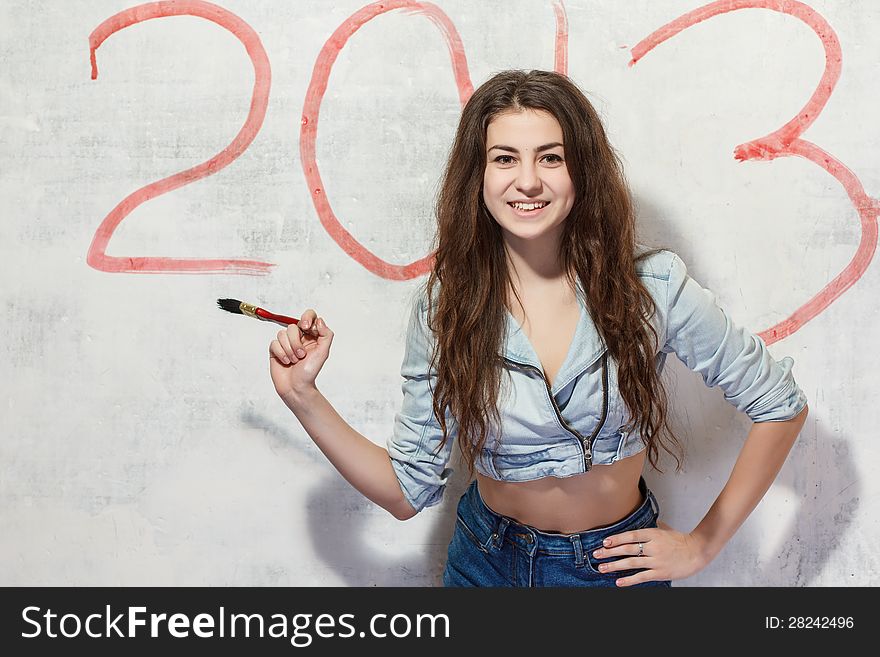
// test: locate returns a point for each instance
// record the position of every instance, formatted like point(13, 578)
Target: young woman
point(538, 341)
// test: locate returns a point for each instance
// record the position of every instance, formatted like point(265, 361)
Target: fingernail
point(285, 360)
point(301, 353)
point(606, 542)
point(597, 553)
point(305, 325)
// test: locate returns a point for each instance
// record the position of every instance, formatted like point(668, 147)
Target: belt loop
point(497, 539)
point(578, 549)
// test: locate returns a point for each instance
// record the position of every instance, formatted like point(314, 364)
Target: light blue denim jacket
point(565, 430)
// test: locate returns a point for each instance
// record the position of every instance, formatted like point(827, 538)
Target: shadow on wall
point(372, 566)
point(802, 521)
point(823, 476)
point(344, 546)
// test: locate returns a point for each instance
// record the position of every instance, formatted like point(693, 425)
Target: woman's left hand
point(666, 554)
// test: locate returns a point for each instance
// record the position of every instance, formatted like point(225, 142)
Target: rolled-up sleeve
point(420, 469)
point(705, 339)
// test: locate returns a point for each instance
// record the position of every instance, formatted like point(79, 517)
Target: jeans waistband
point(496, 527)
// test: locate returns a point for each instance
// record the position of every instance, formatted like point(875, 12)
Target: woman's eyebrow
point(511, 149)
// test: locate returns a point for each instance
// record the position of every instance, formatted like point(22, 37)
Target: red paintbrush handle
point(284, 319)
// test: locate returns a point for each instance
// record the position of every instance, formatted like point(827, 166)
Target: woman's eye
point(504, 159)
point(553, 158)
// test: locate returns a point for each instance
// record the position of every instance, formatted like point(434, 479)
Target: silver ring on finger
point(641, 550)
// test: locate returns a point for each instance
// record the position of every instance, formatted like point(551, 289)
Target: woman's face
point(526, 185)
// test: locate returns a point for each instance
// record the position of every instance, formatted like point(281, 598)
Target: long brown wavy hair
point(598, 246)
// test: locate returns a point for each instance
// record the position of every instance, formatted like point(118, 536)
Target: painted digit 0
point(786, 142)
point(309, 125)
point(315, 94)
point(97, 255)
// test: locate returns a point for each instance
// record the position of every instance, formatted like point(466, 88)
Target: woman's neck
point(539, 287)
point(533, 265)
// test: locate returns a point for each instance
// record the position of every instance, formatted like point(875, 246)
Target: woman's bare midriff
point(597, 498)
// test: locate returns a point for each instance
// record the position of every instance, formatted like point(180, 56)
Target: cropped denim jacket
point(565, 429)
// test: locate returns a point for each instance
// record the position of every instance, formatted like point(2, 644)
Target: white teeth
point(529, 206)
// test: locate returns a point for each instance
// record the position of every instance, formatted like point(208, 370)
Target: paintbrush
point(243, 308)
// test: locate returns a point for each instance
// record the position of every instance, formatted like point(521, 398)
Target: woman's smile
point(532, 209)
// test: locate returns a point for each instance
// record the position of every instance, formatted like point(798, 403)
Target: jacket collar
point(586, 346)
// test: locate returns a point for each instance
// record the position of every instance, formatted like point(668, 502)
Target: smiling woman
point(555, 396)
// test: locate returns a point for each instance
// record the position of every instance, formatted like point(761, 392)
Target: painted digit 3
point(786, 142)
point(315, 94)
point(97, 255)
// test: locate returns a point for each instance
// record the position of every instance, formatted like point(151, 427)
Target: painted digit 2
point(786, 142)
point(97, 255)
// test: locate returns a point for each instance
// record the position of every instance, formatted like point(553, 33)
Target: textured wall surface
point(142, 441)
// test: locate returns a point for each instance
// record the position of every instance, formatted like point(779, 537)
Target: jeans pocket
point(470, 534)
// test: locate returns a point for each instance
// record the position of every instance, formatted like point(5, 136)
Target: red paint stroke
point(560, 64)
point(786, 142)
point(97, 256)
point(309, 125)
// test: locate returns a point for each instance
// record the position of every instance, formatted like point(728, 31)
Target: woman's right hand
point(298, 353)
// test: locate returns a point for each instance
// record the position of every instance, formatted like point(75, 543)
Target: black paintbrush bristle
point(230, 305)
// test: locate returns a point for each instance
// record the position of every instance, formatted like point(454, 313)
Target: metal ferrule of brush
point(249, 309)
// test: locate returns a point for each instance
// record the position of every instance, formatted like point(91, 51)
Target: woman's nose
point(527, 179)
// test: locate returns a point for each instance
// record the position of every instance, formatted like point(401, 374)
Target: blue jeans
point(488, 549)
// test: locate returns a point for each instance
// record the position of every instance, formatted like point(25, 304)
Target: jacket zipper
point(585, 443)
